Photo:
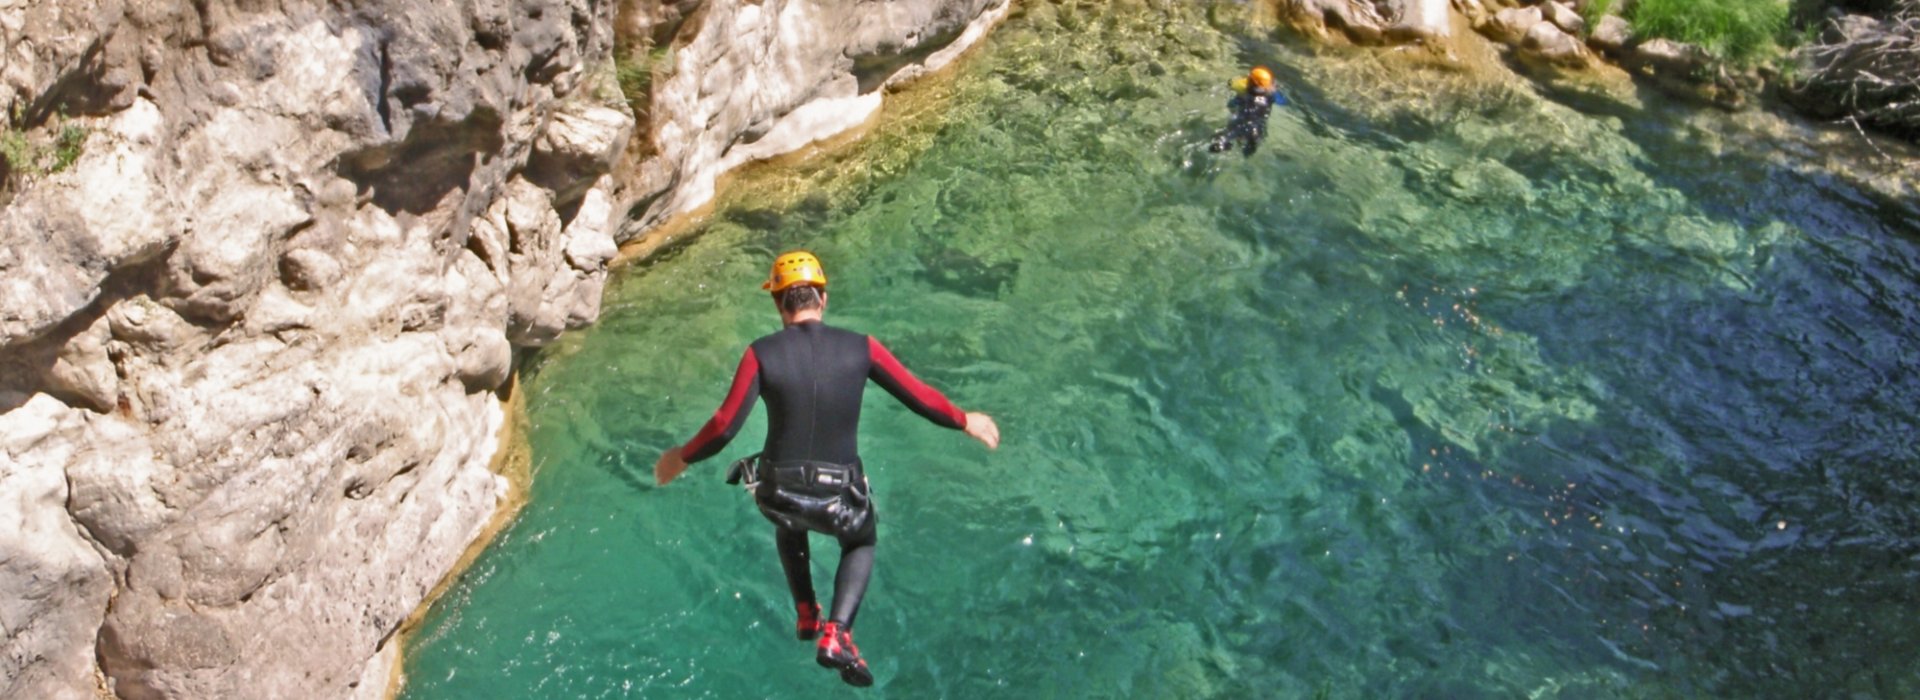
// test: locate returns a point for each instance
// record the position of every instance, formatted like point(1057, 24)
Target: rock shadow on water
point(954, 270)
point(1789, 157)
point(1743, 472)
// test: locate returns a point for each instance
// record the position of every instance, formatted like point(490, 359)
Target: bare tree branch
point(1867, 72)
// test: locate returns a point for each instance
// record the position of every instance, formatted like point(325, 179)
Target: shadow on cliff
point(33, 367)
point(416, 174)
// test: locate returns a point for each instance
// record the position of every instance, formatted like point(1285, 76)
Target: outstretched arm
point(721, 428)
point(925, 400)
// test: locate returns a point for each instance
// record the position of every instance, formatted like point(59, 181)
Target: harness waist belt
point(810, 475)
point(818, 496)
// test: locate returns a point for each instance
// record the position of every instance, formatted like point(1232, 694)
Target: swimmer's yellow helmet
point(1261, 77)
point(797, 267)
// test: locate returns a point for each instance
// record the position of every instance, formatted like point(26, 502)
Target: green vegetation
point(1593, 11)
point(30, 155)
point(1740, 31)
point(636, 68)
point(66, 148)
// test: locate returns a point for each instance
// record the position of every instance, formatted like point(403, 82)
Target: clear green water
point(1451, 391)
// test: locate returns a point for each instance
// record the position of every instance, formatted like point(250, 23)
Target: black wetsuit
point(812, 376)
point(1249, 124)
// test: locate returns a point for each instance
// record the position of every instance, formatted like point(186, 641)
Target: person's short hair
point(800, 298)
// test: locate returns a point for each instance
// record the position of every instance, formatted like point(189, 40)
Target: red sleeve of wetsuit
point(726, 422)
point(923, 399)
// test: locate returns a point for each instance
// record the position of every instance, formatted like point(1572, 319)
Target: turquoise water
point(1450, 391)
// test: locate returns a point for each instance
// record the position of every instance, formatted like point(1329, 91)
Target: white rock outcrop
point(1422, 20)
point(1549, 42)
point(1374, 21)
point(756, 79)
point(250, 339)
point(1511, 25)
point(1610, 34)
point(56, 585)
point(1564, 17)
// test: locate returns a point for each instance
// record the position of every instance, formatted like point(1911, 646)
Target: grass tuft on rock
point(636, 69)
point(1593, 11)
point(1743, 32)
point(28, 154)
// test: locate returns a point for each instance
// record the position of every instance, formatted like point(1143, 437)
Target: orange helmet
point(797, 267)
point(1261, 77)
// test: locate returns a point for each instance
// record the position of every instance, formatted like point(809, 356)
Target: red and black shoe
point(837, 651)
point(809, 625)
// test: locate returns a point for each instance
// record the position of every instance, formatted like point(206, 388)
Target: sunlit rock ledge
point(1546, 36)
point(750, 81)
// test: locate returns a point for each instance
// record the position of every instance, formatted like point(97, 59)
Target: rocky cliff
point(252, 331)
point(255, 316)
point(752, 80)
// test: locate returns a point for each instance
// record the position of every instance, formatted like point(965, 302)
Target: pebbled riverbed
point(1450, 391)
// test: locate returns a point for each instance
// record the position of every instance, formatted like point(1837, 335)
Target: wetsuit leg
point(856, 566)
point(795, 557)
point(1256, 131)
point(850, 584)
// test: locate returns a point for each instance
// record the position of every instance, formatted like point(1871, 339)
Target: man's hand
point(981, 427)
point(671, 464)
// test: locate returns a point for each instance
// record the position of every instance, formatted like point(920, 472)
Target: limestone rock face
point(249, 340)
point(1380, 21)
point(1511, 25)
point(1564, 17)
point(753, 79)
point(1610, 34)
point(1362, 22)
point(1665, 56)
point(1476, 11)
point(55, 584)
point(1549, 42)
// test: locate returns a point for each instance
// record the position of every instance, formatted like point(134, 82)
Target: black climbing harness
point(806, 495)
point(745, 472)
